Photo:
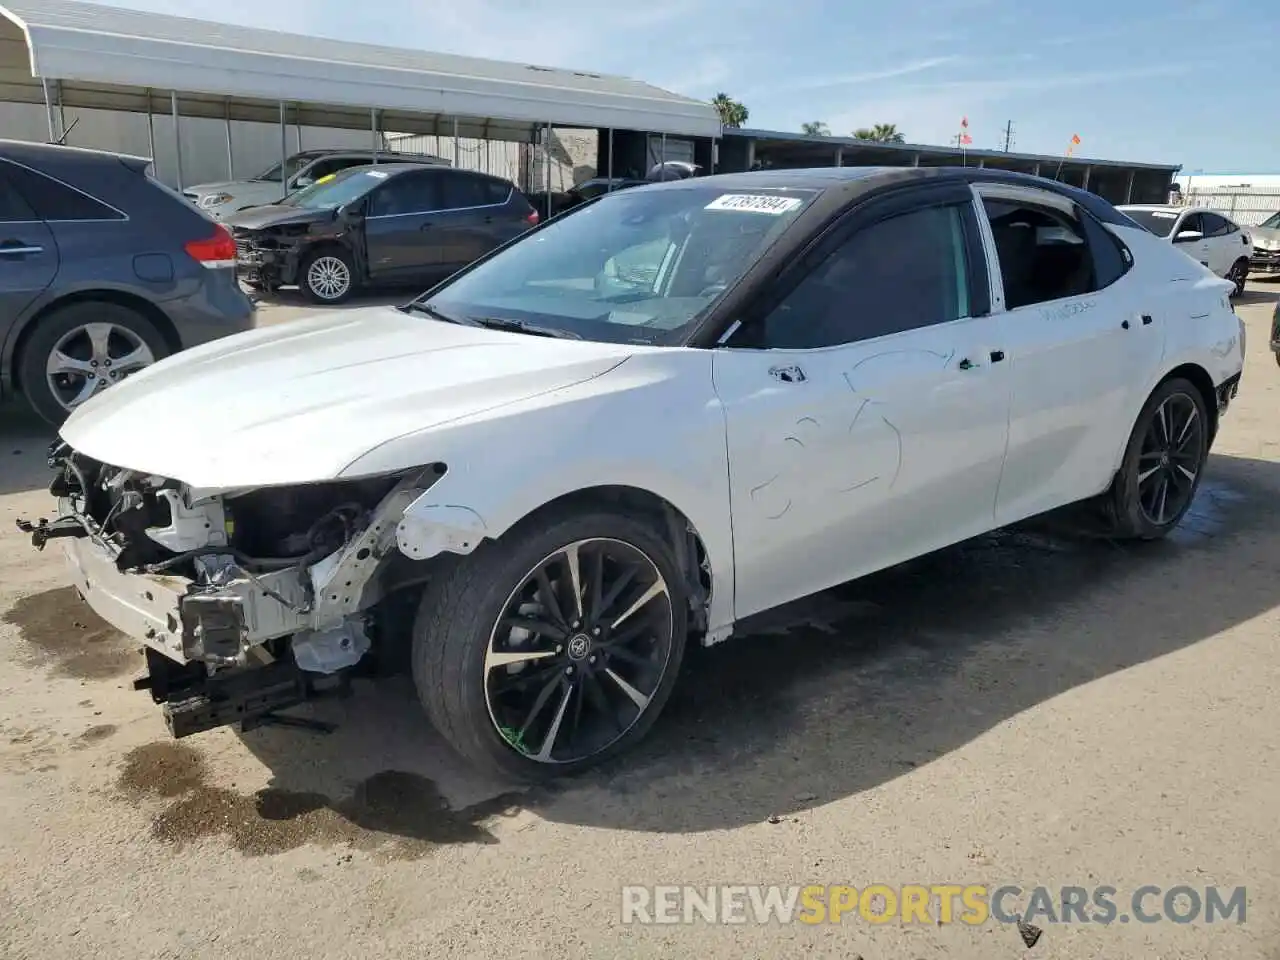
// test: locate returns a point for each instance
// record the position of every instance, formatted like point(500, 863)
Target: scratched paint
point(866, 444)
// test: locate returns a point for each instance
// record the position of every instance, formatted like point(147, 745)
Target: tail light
point(216, 251)
point(533, 219)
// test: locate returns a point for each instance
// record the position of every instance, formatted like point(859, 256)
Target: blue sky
point(1177, 81)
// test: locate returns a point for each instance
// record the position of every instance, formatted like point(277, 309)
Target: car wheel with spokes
point(1239, 275)
point(554, 648)
point(327, 276)
point(80, 350)
point(1163, 462)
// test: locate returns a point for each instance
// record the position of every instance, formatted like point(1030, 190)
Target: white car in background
point(1204, 235)
point(632, 429)
point(1265, 261)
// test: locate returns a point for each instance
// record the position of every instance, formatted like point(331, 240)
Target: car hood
point(300, 402)
point(1265, 238)
point(275, 215)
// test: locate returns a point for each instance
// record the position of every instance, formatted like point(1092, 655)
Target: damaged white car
point(632, 429)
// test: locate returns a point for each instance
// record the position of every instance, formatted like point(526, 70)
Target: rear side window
point(54, 200)
point(460, 190)
point(1111, 258)
point(1216, 226)
point(13, 209)
point(496, 191)
point(1042, 251)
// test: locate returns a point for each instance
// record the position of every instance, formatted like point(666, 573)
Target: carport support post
point(662, 157)
point(151, 128)
point(231, 164)
point(373, 144)
point(456, 155)
point(1036, 172)
point(284, 153)
point(915, 159)
point(48, 107)
point(1085, 182)
point(839, 157)
point(177, 133)
point(1128, 189)
point(546, 164)
point(609, 164)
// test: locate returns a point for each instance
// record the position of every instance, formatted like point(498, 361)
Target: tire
point(457, 628)
point(1238, 274)
point(1134, 505)
point(91, 336)
point(321, 276)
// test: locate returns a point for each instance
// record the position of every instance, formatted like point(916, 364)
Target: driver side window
point(902, 273)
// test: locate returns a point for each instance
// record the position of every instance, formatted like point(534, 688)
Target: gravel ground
point(1026, 709)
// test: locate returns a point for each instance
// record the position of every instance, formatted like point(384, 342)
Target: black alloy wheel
point(579, 651)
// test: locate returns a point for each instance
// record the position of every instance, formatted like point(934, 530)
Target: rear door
point(476, 216)
point(28, 253)
point(1223, 243)
point(402, 239)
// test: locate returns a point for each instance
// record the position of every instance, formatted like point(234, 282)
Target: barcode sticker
point(754, 203)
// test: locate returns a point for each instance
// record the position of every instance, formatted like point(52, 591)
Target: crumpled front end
point(245, 600)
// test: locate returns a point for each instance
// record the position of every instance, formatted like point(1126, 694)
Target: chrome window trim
point(88, 196)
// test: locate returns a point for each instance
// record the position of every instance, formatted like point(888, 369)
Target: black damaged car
point(386, 224)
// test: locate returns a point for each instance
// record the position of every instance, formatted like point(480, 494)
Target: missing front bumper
point(167, 615)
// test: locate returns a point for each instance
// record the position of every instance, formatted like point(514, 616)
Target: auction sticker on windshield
point(749, 203)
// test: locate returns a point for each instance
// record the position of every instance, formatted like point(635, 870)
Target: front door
point(867, 406)
point(1195, 247)
point(28, 254)
point(403, 242)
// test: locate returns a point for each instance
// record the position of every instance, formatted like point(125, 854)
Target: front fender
point(652, 423)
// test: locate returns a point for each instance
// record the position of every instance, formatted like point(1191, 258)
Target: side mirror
point(1188, 236)
point(302, 182)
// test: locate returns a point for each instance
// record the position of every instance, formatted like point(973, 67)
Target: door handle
point(997, 356)
point(8, 251)
point(425, 226)
point(791, 374)
point(1146, 319)
point(966, 364)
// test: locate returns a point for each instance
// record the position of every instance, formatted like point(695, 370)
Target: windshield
point(1272, 222)
point(1159, 222)
point(638, 266)
point(292, 165)
point(329, 193)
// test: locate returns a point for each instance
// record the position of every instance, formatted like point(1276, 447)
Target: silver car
point(1266, 247)
point(220, 200)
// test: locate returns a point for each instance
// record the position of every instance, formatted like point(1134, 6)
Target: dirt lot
point(1025, 709)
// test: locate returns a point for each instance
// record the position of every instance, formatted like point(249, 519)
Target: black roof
point(851, 182)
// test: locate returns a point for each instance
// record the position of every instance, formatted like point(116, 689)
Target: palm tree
point(732, 113)
point(815, 128)
point(881, 133)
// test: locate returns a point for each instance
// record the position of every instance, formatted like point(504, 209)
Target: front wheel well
point(130, 301)
point(666, 519)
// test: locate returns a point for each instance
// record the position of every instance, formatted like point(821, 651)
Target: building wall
point(255, 146)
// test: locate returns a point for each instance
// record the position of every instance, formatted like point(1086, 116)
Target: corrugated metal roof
point(72, 40)
point(939, 151)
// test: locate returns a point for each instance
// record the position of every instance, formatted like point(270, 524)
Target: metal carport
point(83, 55)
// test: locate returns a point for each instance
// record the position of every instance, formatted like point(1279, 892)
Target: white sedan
point(1210, 238)
point(678, 406)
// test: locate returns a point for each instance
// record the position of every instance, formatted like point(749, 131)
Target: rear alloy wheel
point(80, 350)
point(541, 665)
point(1239, 274)
point(1163, 463)
point(327, 276)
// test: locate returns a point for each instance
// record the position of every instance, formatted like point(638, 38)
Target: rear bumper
point(219, 309)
